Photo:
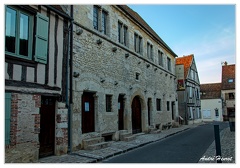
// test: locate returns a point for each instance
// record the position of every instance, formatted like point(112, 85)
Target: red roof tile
point(211, 90)
point(186, 61)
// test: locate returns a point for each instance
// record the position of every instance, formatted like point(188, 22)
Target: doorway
point(47, 126)
point(136, 115)
point(149, 103)
point(120, 112)
point(88, 119)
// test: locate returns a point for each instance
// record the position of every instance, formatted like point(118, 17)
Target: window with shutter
point(7, 117)
point(18, 32)
point(41, 45)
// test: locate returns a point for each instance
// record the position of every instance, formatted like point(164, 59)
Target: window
point(150, 51)
point(168, 106)
point(125, 35)
point(230, 80)
point(104, 22)
point(19, 34)
point(137, 76)
point(158, 103)
point(95, 17)
point(137, 43)
point(216, 112)
point(108, 103)
point(190, 92)
point(160, 58)
point(169, 64)
point(100, 19)
point(122, 33)
point(231, 96)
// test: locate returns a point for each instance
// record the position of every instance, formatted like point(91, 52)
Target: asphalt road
point(185, 147)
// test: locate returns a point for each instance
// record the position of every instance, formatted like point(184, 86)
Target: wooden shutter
point(41, 45)
point(7, 117)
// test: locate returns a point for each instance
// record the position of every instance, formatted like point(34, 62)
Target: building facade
point(188, 89)
point(211, 102)
point(36, 51)
point(228, 90)
point(124, 74)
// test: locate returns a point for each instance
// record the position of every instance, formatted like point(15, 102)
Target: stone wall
point(25, 127)
point(105, 71)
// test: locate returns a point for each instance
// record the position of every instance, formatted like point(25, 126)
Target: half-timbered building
point(36, 55)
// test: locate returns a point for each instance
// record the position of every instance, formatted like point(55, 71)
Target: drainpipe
point(70, 90)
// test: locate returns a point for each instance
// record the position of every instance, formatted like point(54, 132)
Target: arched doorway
point(136, 115)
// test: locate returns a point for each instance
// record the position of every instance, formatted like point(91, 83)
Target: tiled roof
point(228, 72)
point(140, 20)
point(210, 91)
point(186, 61)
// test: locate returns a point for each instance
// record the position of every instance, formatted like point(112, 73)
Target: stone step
point(97, 146)
point(123, 135)
point(129, 138)
point(155, 131)
point(138, 134)
point(123, 131)
point(91, 141)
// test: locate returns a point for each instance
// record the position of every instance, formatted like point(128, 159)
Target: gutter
point(70, 83)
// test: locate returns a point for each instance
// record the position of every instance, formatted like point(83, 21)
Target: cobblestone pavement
point(227, 140)
point(114, 148)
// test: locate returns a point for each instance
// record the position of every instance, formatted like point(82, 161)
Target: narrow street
point(185, 147)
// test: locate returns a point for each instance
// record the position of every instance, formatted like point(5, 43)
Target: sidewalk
point(114, 148)
point(227, 140)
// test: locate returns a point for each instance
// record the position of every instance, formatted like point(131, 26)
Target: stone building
point(123, 75)
point(36, 51)
point(211, 102)
point(228, 90)
point(188, 89)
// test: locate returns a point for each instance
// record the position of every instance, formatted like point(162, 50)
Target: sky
point(207, 31)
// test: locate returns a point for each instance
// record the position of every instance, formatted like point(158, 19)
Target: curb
point(138, 146)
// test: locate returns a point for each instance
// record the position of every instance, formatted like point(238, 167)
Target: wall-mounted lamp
point(114, 49)
point(76, 74)
point(102, 80)
point(79, 31)
point(99, 41)
point(130, 87)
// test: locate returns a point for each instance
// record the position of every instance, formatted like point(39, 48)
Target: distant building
point(211, 102)
point(228, 90)
point(188, 89)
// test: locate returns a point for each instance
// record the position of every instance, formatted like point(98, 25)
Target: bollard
point(217, 143)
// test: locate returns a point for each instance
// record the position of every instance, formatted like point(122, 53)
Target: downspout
point(70, 90)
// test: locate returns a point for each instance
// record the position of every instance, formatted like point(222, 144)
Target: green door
point(7, 117)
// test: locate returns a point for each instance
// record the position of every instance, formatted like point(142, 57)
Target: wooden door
point(88, 119)
point(136, 115)
point(149, 108)
point(47, 126)
point(120, 112)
